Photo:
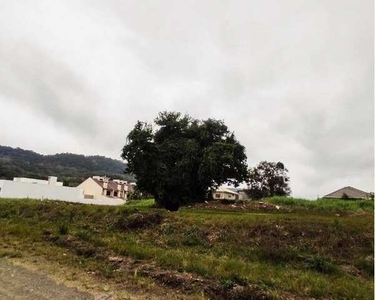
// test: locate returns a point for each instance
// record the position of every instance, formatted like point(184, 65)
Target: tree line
point(72, 169)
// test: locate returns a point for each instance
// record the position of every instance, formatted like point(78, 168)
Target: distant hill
point(70, 168)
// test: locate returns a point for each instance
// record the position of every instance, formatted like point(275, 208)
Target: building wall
point(91, 188)
point(51, 180)
point(217, 195)
point(19, 189)
point(223, 195)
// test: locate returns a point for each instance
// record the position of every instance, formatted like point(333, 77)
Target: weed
point(320, 264)
point(10, 254)
point(139, 220)
point(366, 265)
point(227, 284)
point(63, 229)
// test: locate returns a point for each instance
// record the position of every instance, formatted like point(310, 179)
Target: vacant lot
point(297, 250)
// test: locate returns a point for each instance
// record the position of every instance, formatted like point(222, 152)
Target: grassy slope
point(310, 252)
point(324, 204)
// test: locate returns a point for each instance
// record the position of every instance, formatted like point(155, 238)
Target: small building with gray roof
point(348, 192)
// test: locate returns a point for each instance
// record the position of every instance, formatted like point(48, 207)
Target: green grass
point(324, 204)
point(309, 252)
point(141, 203)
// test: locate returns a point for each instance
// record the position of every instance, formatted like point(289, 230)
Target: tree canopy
point(180, 159)
point(268, 179)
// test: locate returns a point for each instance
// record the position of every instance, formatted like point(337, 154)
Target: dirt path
point(18, 283)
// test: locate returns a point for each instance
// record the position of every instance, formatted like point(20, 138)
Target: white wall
point(16, 189)
point(51, 180)
point(90, 187)
point(224, 195)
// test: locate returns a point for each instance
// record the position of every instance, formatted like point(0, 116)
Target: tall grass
point(141, 203)
point(324, 204)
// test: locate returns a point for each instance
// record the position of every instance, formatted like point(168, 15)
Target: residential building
point(39, 189)
point(350, 192)
point(100, 187)
point(225, 193)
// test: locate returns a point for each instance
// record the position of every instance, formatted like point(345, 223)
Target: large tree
point(181, 159)
point(268, 179)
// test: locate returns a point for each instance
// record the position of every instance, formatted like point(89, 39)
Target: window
point(115, 194)
point(217, 195)
point(108, 193)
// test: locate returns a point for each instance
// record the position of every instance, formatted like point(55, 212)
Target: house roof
point(111, 185)
point(226, 190)
point(351, 192)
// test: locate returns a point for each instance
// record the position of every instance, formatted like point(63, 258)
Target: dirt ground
point(238, 206)
point(35, 278)
point(19, 283)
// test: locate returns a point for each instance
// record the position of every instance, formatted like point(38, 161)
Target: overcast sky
point(293, 79)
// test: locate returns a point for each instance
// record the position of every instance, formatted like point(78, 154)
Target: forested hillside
point(68, 167)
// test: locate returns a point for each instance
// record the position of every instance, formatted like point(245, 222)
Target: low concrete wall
point(107, 201)
point(21, 190)
point(15, 189)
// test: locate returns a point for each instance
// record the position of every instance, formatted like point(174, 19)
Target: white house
point(39, 189)
point(225, 193)
point(98, 187)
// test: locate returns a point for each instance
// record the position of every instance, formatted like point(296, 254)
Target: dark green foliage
point(268, 179)
point(183, 158)
point(366, 265)
point(320, 264)
point(72, 169)
point(227, 284)
point(136, 194)
point(63, 230)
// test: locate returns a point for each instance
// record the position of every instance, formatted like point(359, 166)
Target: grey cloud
point(293, 79)
point(31, 77)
